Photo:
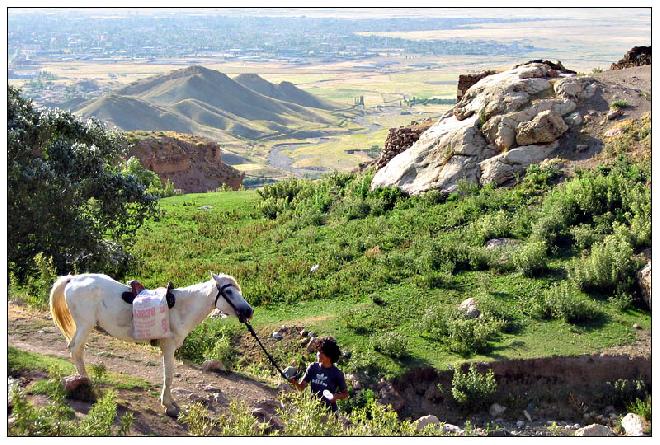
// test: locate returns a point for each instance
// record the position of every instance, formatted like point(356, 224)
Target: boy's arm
point(298, 385)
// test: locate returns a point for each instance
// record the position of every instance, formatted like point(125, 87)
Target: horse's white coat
point(95, 300)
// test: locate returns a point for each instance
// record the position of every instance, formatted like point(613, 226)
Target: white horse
point(79, 303)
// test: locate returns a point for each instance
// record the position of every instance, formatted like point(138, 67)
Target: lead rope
point(249, 328)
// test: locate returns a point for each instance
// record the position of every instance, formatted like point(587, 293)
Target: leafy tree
point(67, 196)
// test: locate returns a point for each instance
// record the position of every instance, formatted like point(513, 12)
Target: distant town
point(41, 36)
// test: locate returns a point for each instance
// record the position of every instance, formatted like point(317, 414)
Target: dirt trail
point(34, 331)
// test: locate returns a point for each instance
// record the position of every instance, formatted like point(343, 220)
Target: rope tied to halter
point(221, 292)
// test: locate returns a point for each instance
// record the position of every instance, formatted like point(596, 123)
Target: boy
point(327, 381)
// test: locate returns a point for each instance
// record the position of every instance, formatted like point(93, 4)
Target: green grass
point(383, 262)
point(18, 360)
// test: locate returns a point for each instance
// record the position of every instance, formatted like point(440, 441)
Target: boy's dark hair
point(329, 347)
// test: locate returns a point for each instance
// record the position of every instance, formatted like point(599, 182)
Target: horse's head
point(228, 298)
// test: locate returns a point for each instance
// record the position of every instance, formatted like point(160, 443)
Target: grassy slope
point(271, 260)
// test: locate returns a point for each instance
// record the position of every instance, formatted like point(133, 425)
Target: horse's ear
point(214, 276)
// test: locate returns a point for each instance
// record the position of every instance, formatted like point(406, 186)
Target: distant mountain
point(208, 102)
point(285, 91)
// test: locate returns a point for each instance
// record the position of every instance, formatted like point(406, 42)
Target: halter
point(221, 292)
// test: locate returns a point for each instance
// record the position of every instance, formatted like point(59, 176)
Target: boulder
point(213, 366)
point(546, 127)
point(469, 308)
point(500, 243)
point(529, 107)
point(496, 410)
point(633, 425)
point(594, 430)
point(644, 279)
point(505, 168)
point(78, 387)
point(452, 429)
point(424, 421)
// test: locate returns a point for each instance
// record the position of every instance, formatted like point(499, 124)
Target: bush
point(211, 340)
point(378, 420)
point(463, 335)
point(531, 258)
point(563, 301)
point(641, 407)
point(623, 392)
point(392, 344)
point(609, 267)
point(239, 421)
point(473, 390)
point(303, 414)
point(58, 419)
point(68, 196)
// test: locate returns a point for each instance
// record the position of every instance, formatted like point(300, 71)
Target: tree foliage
point(67, 196)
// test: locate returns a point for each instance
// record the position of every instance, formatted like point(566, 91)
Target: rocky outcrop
point(644, 279)
point(400, 139)
point(465, 81)
point(503, 123)
point(192, 164)
point(594, 430)
point(637, 56)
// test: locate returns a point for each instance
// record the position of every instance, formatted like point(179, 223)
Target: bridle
point(221, 292)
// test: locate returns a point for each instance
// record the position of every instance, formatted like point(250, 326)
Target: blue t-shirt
point(321, 378)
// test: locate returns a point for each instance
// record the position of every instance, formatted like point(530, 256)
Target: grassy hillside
point(392, 269)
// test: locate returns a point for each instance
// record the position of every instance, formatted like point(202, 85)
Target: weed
point(641, 407)
point(473, 390)
point(619, 104)
point(392, 344)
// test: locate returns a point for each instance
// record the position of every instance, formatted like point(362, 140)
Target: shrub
point(303, 414)
point(609, 267)
point(623, 392)
point(211, 340)
point(239, 421)
point(378, 420)
point(641, 407)
point(563, 301)
point(58, 419)
point(198, 420)
point(463, 335)
point(392, 344)
point(473, 390)
point(618, 104)
point(531, 258)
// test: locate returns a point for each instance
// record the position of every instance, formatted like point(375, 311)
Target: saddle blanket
point(151, 316)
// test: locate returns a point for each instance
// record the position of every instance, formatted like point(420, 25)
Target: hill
point(207, 102)
point(285, 91)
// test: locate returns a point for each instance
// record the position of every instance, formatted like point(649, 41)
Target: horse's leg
point(167, 347)
point(77, 348)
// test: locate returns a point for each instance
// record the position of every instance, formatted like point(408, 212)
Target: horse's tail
point(60, 310)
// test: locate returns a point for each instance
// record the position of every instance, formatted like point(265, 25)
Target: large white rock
point(546, 127)
point(424, 421)
point(469, 308)
point(594, 430)
point(504, 167)
point(524, 106)
point(644, 278)
point(633, 425)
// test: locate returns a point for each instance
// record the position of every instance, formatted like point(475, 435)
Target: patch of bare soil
point(630, 85)
point(34, 331)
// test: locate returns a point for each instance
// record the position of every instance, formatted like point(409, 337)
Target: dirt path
point(34, 331)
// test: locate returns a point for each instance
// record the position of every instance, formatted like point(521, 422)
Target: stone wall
point(637, 56)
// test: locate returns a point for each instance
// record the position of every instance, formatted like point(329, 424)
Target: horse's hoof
point(172, 411)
